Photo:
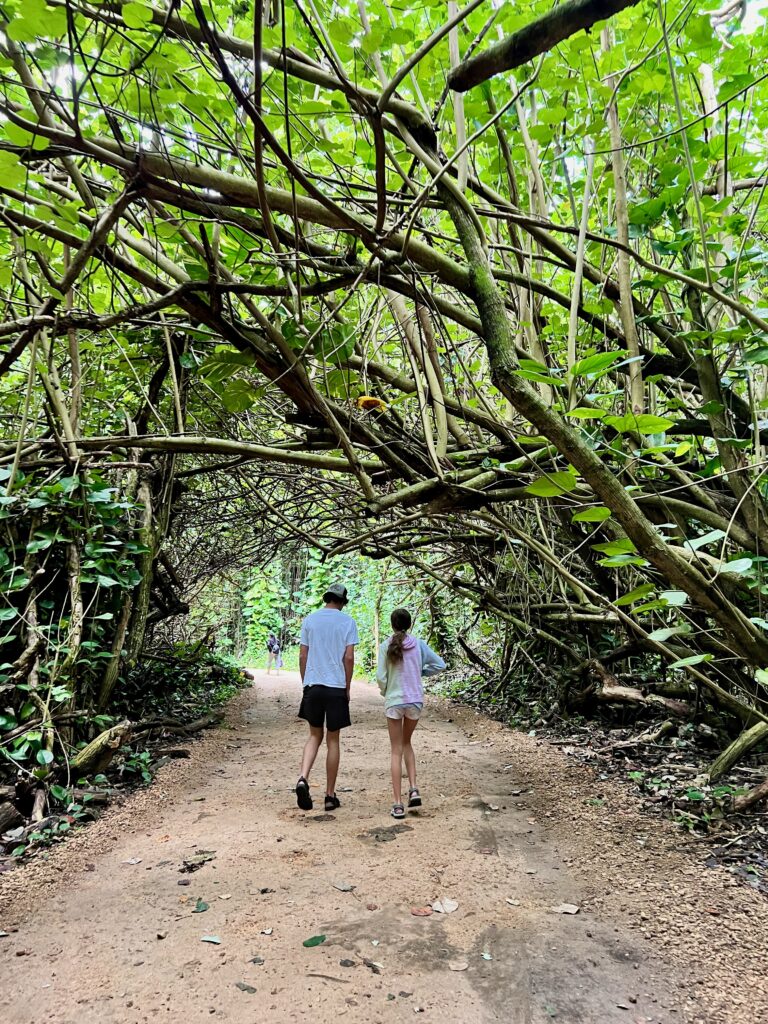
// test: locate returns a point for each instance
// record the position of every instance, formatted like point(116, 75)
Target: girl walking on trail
point(403, 660)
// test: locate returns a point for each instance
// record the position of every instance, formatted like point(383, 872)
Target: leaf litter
point(445, 906)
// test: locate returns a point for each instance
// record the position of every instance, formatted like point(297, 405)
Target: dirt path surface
point(104, 931)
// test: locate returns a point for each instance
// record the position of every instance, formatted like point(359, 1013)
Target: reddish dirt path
point(499, 823)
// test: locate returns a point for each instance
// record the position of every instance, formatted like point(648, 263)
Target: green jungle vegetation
point(465, 306)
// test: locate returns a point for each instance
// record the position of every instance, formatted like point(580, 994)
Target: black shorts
point(325, 706)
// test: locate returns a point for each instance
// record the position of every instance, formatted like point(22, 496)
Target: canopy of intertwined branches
point(480, 289)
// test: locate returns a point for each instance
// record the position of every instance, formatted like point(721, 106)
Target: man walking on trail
point(326, 663)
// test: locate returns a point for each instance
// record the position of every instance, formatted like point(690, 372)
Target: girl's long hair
point(401, 623)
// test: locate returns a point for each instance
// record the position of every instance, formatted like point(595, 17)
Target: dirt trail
point(103, 933)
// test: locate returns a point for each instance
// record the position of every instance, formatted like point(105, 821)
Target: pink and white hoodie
point(400, 681)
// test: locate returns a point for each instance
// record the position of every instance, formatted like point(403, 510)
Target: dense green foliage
point(270, 287)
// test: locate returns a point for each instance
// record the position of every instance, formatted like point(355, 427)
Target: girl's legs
point(270, 658)
point(409, 724)
point(395, 726)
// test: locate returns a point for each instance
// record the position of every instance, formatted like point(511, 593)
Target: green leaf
point(532, 370)
point(587, 414)
point(738, 565)
point(238, 396)
point(136, 15)
point(598, 514)
point(643, 424)
point(664, 634)
point(620, 546)
point(597, 365)
point(316, 940)
point(336, 345)
point(44, 757)
point(705, 539)
point(694, 659)
point(675, 598)
point(635, 595)
point(553, 484)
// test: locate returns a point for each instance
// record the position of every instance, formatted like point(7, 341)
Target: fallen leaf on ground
point(257, 960)
point(133, 860)
point(513, 903)
point(371, 906)
point(245, 988)
point(196, 862)
point(566, 908)
point(343, 886)
point(421, 911)
point(376, 968)
point(486, 956)
point(347, 963)
point(200, 907)
point(493, 807)
point(531, 871)
point(225, 896)
point(315, 940)
point(214, 939)
point(266, 931)
point(458, 965)
point(162, 935)
point(445, 906)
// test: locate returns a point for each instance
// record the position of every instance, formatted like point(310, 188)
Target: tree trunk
point(760, 792)
point(9, 818)
point(100, 751)
point(740, 746)
point(147, 537)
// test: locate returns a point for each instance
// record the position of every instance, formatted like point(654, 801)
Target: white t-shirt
point(327, 633)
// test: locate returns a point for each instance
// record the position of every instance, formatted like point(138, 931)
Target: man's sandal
point(414, 798)
point(332, 802)
point(303, 798)
point(398, 811)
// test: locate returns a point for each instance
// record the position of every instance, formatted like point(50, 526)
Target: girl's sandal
point(332, 802)
point(414, 798)
point(398, 811)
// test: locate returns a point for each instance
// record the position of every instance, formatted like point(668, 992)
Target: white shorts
point(412, 711)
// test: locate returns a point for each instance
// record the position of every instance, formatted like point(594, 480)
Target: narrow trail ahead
point(104, 933)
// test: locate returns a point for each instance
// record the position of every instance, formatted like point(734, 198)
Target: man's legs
point(311, 747)
point(332, 760)
point(395, 726)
